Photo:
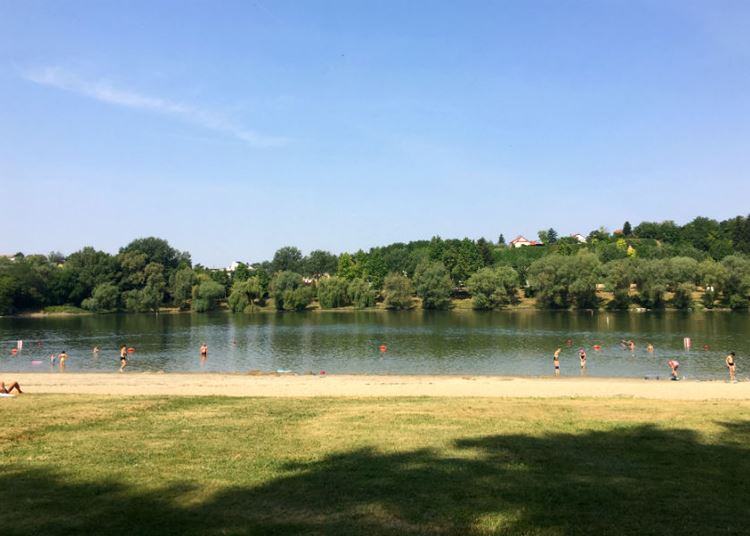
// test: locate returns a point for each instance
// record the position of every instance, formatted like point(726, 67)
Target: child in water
point(556, 361)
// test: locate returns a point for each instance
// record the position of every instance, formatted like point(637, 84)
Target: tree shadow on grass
point(638, 480)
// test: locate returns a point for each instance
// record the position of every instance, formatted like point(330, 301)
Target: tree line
point(651, 265)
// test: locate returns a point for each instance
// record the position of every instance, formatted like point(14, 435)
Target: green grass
point(170, 465)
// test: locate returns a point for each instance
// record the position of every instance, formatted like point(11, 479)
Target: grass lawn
point(171, 465)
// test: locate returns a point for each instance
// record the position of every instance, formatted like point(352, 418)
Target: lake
point(417, 342)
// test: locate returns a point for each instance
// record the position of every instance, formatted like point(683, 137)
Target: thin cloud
point(104, 92)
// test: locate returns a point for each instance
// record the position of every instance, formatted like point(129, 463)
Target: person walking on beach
point(556, 361)
point(674, 365)
point(731, 366)
point(123, 357)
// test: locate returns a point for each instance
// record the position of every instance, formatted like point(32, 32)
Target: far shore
point(350, 385)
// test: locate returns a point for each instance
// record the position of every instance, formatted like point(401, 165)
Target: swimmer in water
point(650, 348)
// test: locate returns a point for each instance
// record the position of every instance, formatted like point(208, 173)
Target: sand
point(282, 385)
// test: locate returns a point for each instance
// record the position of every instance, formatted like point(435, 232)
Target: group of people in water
point(673, 364)
point(124, 351)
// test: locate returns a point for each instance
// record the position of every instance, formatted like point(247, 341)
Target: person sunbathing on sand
point(8, 390)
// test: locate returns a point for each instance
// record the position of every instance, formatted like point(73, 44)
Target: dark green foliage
point(159, 251)
point(433, 285)
point(627, 229)
point(89, 268)
point(287, 259)
point(319, 262)
point(398, 292)
point(333, 292)
point(493, 288)
point(361, 293)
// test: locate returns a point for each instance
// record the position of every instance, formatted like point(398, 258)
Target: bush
point(397, 292)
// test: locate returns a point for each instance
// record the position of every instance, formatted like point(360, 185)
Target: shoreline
point(367, 386)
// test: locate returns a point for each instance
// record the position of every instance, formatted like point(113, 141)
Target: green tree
point(289, 292)
point(397, 292)
point(159, 251)
point(551, 235)
point(619, 275)
point(245, 294)
point(152, 294)
point(712, 276)
point(361, 293)
point(181, 287)
point(433, 285)
point(333, 292)
point(105, 297)
point(346, 267)
point(89, 268)
point(206, 295)
point(493, 288)
point(737, 283)
point(287, 259)
point(651, 277)
point(320, 262)
point(627, 230)
point(241, 273)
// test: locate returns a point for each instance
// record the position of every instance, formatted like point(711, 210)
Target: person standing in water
point(123, 357)
point(556, 361)
point(62, 357)
point(731, 366)
point(582, 357)
point(204, 353)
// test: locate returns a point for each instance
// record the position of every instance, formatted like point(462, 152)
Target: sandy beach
point(280, 385)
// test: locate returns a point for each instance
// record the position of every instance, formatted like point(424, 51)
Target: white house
point(579, 237)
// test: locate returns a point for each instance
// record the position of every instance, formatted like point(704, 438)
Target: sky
point(232, 129)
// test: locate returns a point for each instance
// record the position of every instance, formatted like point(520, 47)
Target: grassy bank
point(108, 465)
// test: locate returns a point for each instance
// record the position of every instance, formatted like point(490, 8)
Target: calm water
point(514, 343)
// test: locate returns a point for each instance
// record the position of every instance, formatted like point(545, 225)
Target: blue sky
point(234, 128)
